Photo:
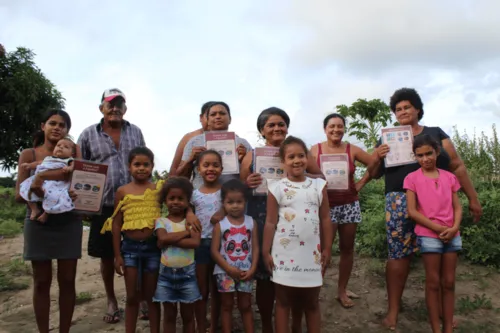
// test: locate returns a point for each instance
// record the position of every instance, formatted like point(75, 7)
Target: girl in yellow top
point(137, 257)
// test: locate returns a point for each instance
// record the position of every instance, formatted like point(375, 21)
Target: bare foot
point(35, 212)
point(390, 325)
point(43, 218)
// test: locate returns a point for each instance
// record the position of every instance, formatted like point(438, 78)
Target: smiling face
point(426, 157)
point(295, 160)
point(210, 168)
point(335, 129)
point(113, 111)
point(218, 118)
point(64, 149)
point(55, 128)
point(274, 130)
point(141, 167)
point(176, 201)
point(406, 114)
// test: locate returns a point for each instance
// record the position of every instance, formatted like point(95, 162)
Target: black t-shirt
point(395, 176)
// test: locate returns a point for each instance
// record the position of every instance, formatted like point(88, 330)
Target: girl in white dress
point(297, 238)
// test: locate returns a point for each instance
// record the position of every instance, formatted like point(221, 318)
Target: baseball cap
point(110, 94)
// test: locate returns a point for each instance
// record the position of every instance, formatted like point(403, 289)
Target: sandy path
point(16, 314)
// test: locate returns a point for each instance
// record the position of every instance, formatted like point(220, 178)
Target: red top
point(342, 197)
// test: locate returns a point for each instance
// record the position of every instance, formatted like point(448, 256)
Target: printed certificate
point(88, 181)
point(225, 144)
point(267, 162)
point(400, 141)
point(335, 167)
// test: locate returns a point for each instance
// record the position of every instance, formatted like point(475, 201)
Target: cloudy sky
point(306, 57)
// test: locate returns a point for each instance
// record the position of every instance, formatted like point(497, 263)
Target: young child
point(207, 202)
point(235, 249)
point(297, 245)
point(177, 280)
point(434, 205)
point(137, 257)
point(56, 199)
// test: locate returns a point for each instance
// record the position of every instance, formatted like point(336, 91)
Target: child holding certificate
point(297, 244)
point(137, 257)
point(434, 205)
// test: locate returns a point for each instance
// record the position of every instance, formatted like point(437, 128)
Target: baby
point(56, 199)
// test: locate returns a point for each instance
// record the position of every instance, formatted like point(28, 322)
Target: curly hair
point(181, 183)
point(410, 95)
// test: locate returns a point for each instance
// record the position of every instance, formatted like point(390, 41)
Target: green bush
point(10, 228)
point(481, 241)
point(9, 208)
point(371, 237)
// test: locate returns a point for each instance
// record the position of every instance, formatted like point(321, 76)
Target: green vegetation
point(13, 275)
point(83, 297)
point(481, 242)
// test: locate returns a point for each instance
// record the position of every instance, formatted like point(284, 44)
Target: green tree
point(25, 94)
point(366, 119)
point(157, 175)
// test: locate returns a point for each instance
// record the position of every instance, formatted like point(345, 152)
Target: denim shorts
point(202, 254)
point(145, 254)
point(435, 245)
point(226, 284)
point(177, 285)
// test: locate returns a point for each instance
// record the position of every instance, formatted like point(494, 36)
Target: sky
point(306, 57)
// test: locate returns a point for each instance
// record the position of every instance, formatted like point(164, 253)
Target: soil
point(477, 294)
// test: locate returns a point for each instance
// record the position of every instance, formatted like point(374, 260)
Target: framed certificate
point(88, 181)
point(400, 141)
point(267, 162)
point(335, 167)
point(225, 144)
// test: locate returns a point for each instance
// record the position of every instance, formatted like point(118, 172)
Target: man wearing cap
point(109, 142)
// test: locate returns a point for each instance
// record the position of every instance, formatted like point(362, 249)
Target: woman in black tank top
point(408, 109)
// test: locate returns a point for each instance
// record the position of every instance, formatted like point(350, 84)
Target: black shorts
point(100, 245)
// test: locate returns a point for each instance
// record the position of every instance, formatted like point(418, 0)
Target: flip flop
point(144, 314)
point(112, 318)
point(346, 304)
point(352, 295)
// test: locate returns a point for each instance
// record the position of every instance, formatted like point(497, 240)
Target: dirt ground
point(478, 298)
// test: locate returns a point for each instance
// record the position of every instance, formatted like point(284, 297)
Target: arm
point(366, 159)
point(178, 155)
point(245, 167)
point(26, 156)
point(255, 248)
point(448, 234)
point(214, 250)
point(116, 228)
point(458, 168)
point(313, 170)
point(326, 236)
point(415, 215)
point(269, 231)
point(170, 238)
point(190, 243)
